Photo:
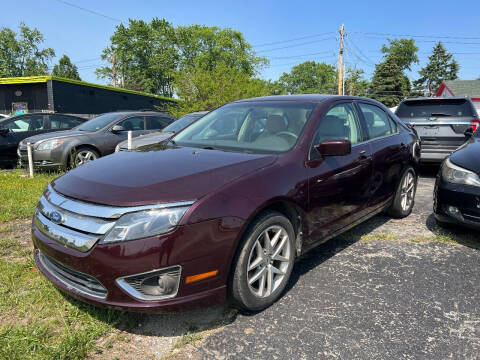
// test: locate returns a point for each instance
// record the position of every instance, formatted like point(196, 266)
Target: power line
point(89, 11)
point(294, 39)
point(296, 45)
point(417, 36)
point(297, 56)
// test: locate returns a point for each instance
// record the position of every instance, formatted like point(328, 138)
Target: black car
point(16, 128)
point(457, 188)
point(440, 123)
point(93, 139)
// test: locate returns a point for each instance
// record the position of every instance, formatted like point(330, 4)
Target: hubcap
point(407, 191)
point(268, 261)
point(84, 156)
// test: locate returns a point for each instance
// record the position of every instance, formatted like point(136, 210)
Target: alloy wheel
point(84, 156)
point(268, 261)
point(407, 191)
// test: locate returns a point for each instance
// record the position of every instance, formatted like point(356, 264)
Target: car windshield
point(440, 107)
point(256, 127)
point(182, 122)
point(98, 122)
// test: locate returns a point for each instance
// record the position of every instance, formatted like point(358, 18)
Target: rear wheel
point(264, 263)
point(404, 197)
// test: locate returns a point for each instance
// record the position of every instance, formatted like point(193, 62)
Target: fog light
point(454, 212)
point(153, 285)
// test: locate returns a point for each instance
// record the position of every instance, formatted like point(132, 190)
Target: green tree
point(66, 69)
point(206, 46)
point(403, 51)
point(388, 83)
point(142, 56)
point(310, 77)
point(21, 55)
point(355, 84)
point(441, 66)
point(204, 89)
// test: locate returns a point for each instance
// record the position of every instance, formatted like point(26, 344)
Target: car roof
point(436, 98)
point(305, 97)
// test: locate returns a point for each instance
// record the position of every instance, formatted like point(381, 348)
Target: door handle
point(362, 155)
point(403, 146)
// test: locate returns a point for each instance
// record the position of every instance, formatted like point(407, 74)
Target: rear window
point(440, 107)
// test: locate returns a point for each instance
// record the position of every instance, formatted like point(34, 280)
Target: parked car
point(440, 123)
point(14, 129)
point(163, 135)
point(95, 138)
point(227, 205)
point(457, 187)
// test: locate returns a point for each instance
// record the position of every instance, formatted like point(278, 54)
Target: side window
point(26, 123)
point(393, 125)
point(159, 122)
point(377, 122)
point(133, 123)
point(340, 122)
point(63, 122)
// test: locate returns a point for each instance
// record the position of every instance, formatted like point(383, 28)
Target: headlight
point(457, 175)
point(144, 224)
point(49, 144)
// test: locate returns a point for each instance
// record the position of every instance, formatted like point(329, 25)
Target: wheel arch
point(75, 147)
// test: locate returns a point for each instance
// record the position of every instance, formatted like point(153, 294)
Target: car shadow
point(454, 233)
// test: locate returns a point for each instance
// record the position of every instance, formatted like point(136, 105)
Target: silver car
point(91, 140)
point(166, 133)
point(441, 123)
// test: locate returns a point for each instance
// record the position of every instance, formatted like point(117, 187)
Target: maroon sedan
point(225, 206)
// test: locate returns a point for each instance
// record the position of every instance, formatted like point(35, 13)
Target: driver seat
point(273, 125)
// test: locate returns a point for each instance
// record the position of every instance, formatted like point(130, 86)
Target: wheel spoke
point(280, 247)
point(255, 263)
point(268, 243)
point(256, 276)
point(273, 242)
point(277, 270)
point(269, 280)
point(261, 285)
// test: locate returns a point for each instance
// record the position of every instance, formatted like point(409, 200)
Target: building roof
point(45, 78)
point(469, 88)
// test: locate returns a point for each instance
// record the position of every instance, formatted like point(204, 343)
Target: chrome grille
point(80, 225)
point(71, 278)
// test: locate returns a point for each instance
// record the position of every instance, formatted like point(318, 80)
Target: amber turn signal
point(201, 276)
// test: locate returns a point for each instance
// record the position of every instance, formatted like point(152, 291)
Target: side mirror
point(334, 147)
point(469, 132)
point(117, 128)
point(4, 131)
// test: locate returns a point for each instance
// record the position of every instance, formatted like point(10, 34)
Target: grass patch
point(190, 337)
point(373, 237)
point(19, 194)
point(37, 321)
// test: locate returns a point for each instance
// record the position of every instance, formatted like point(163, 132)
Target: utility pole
point(114, 71)
point(340, 61)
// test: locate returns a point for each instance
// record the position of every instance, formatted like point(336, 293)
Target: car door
point(388, 150)
point(19, 128)
point(136, 124)
point(337, 185)
point(157, 122)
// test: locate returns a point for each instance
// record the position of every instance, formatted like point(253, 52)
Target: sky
point(285, 32)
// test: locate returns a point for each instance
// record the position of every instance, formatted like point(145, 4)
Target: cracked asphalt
point(371, 299)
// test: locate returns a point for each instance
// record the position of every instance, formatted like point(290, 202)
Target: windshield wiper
point(210, 148)
point(440, 114)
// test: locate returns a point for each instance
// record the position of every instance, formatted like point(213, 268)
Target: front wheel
point(84, 155)
point(404, 197)
point(264, 263)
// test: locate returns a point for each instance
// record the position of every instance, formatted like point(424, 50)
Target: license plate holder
point(429, 131)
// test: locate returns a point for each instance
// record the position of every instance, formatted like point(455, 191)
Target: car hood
point(467, 155)
point(53, 135)
point(149, 139)
point(166, 174)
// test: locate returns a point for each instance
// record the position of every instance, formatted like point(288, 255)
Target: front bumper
point(196, 248)
point(46, 159)
point(465, 198)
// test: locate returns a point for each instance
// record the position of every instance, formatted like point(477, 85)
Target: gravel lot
point(385, 290)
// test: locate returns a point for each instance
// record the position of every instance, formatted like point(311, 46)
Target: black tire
point(396, 209)
point(242, 293)
point(76, 151)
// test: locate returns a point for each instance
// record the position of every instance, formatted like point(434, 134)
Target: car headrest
point(275, 124)
point(127, 125)
point(332, 125)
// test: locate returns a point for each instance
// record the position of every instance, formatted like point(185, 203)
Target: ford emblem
point(56, 217)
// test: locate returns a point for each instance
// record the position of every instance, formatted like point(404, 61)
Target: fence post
point(30, 159)
point(129, 141)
